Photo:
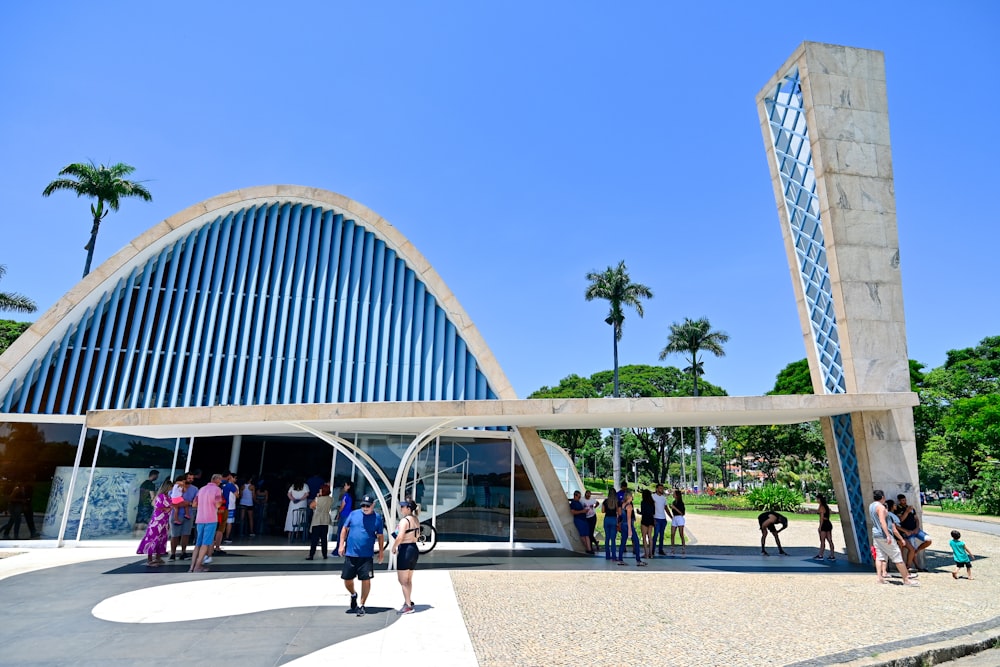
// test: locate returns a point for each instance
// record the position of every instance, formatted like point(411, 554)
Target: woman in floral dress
point(154, 542)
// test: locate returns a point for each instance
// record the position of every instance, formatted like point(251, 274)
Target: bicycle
point(426, 538)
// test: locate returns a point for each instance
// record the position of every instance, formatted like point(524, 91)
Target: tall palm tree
point(689, 338)
point(614, 285)
point(15, 302)
point(105, 184)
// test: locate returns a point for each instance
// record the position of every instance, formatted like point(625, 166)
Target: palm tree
point(13, 301)
point(689, 338)
point(614, 285)
point(105, 184)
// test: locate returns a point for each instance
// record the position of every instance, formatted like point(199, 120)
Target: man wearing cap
point(357, 544)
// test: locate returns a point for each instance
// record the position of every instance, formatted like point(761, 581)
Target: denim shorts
point(206, 534)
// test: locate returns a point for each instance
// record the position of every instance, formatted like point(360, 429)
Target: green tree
point(107, 185)
point(689, 338)
point(972, 430)
point(793, 379)
point(657, 446)
point(9, 331)
point(954, 421)
point(770, 445)
point(13, 301)
point(938, 467)
point(572, 440)
point(616, 287)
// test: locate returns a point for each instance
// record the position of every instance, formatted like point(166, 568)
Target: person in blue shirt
point(230, 494)
point(343, 511)
point(357, 544)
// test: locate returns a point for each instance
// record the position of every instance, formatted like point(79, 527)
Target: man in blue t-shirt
point(357, 543)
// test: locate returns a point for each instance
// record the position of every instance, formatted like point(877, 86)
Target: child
point(176, 500)
point(962, 555)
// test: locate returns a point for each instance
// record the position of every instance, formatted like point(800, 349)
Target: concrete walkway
point(723, 604)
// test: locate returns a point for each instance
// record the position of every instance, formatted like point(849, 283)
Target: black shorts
point(358, 567)
point(406, 556)
point(963, 563)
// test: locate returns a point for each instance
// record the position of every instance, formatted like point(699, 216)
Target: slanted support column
point(548, 488)
point(825, 122)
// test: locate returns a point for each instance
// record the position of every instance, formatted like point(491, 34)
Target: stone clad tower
point(825, 122)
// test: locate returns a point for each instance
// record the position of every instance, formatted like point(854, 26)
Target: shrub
point(987, 493)
point(774, 498)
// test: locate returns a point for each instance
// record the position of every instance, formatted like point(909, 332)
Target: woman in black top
point(627, 524)
point(611, 512)
point(825, 530)
point(677, 510)
point(647, 510)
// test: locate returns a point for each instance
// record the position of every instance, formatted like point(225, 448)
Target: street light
point(635, 469)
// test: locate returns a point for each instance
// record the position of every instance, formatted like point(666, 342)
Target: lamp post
point(635, 469)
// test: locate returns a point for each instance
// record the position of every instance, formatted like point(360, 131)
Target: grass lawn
point(955, 509)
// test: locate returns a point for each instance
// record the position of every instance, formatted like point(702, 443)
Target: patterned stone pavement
point(676, 613)
point(723, 604)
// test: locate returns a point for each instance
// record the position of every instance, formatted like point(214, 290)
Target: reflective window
point(530, 523)
point(30, 455)
point(470, 496)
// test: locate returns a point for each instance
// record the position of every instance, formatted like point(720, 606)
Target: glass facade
point(473, 488)
point(29, 456)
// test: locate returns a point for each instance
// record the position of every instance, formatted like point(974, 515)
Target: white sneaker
point(208, 559)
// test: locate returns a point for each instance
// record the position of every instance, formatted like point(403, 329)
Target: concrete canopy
point(412, 417)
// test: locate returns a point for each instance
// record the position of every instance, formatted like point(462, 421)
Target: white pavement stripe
point(435, 633)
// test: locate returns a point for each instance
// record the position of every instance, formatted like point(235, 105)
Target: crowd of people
point(897, 532)
point(178, 513)
point(654, 511)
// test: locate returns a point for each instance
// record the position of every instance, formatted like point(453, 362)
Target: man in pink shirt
point(207, 504)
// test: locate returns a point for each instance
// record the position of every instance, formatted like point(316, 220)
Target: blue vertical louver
point(279, 304)
point(793, 158)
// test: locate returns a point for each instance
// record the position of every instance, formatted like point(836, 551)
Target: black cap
point(367, 500)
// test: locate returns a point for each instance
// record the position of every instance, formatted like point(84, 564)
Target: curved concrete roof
point(15, 361)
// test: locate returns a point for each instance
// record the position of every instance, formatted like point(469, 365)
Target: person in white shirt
point(659, 519)
point(591, 506)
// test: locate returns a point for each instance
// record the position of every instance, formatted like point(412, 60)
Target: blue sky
point(519, 145)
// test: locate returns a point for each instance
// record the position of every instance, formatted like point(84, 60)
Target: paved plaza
point(723, 604)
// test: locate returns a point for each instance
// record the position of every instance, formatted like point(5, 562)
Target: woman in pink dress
point(154, 542)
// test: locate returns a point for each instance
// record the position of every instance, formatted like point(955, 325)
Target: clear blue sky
point(519, 145)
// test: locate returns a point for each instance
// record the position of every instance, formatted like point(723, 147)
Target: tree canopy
point(9, 331)
point(13, 301)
